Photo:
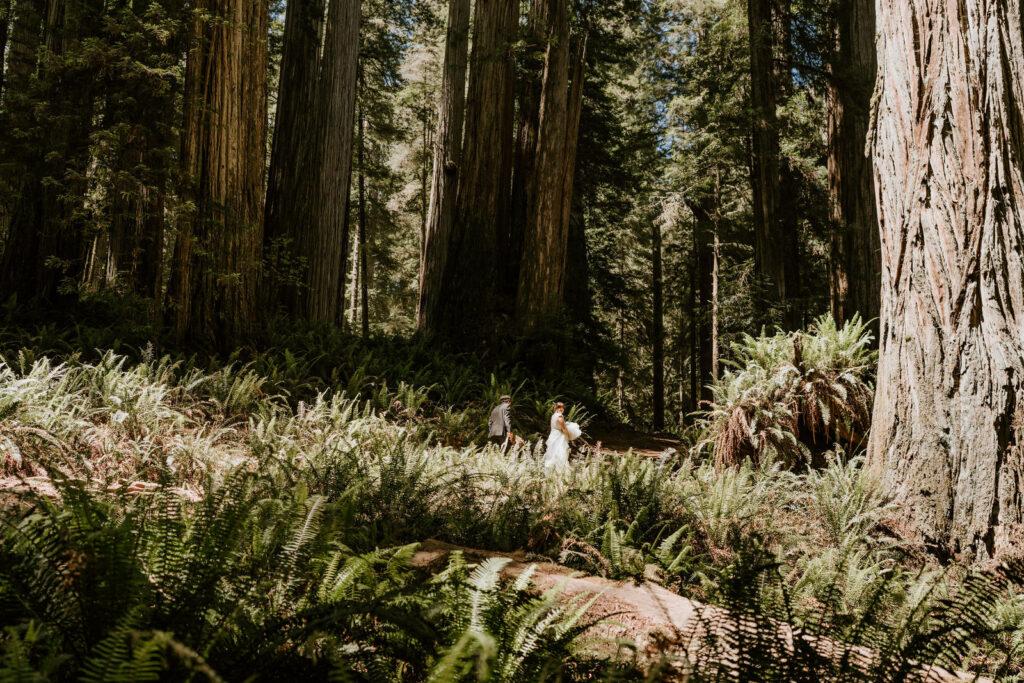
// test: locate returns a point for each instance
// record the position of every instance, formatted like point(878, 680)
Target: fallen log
point(675, 632)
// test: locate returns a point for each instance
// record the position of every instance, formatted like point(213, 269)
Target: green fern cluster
point(789, 396)
point(252, 582)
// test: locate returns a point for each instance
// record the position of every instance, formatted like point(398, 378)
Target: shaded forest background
point(637, 183)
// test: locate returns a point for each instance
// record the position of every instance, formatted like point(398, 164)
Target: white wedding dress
point(557, 454)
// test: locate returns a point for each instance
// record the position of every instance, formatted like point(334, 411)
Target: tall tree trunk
point(353, 309)
point(364, 285)
point(948, 144)
point(772, 245)
point(855, 264)
point(214, 278)
point(20, 211)
point(46, 250)
point(542, 275)
point(447, 160)
point(293, 125)
point(528, 88)
point(321, 241)
point(704, 210)
point(470, 282)
point(5, 24)
point(658, 327)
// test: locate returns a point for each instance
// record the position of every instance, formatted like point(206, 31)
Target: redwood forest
point(511, 340)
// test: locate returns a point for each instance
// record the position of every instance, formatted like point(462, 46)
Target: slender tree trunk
point(214, 279)
point(447, 160)
point(542, 275)
point(855, 278)
point(714, 307)
point(948, 145)
point(293, 147)
point(364, 285)
point(353, 309)
point(704, 210)
point(658, 341)
point(470, 283)
point(620, 334)
point(695, 326)
point(5, 24)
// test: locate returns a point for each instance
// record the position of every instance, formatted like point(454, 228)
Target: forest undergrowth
point(166, 519)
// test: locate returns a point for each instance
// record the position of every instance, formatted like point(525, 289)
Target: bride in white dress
point(562, 432)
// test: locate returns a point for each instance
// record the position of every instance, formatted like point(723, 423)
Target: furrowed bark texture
point(774, 236)
point(447, 161)
point(482, 213)
point(293, 123)
point(854, 272)
point(321, 241)
point(948, 144)
point(45, 252)
point(534, 37)
point(213, 287)
point(705, 355)
point(542, 270)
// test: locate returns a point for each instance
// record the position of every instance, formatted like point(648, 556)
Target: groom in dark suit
point(499, 426)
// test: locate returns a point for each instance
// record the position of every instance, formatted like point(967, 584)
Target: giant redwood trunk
point(482, 212)
point(214, 277)
point(5, 25)
point(447, 160)
point(948, 143)
point(51, 120)
point(854, 266)
point(542, 269)
point(293, 124)
point(774, 227)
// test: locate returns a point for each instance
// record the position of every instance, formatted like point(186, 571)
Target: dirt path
point(622, 438)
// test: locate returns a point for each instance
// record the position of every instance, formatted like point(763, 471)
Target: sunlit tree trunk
point(447, 162)
point(214, 278)
point(704, 210)
point(948, 148)
point(5, 25)
point(363, 279)
point(855, 280)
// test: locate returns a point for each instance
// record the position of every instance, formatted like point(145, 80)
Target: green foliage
point(787, 395)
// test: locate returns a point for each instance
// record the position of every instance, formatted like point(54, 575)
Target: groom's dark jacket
point(500, 422)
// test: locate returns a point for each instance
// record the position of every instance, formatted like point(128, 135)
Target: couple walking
point(556, 455)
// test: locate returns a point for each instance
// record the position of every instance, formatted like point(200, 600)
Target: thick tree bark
point(46, 247)
point(855, 278)
point(658, 327)
point(948, 145)
point(542, 271)
point(320, 240)
point(214, 278)
point(470, 283)
point(21, 187)
point(293, 125)
point(529, 86)
point(447, 162)
point(774, 230)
